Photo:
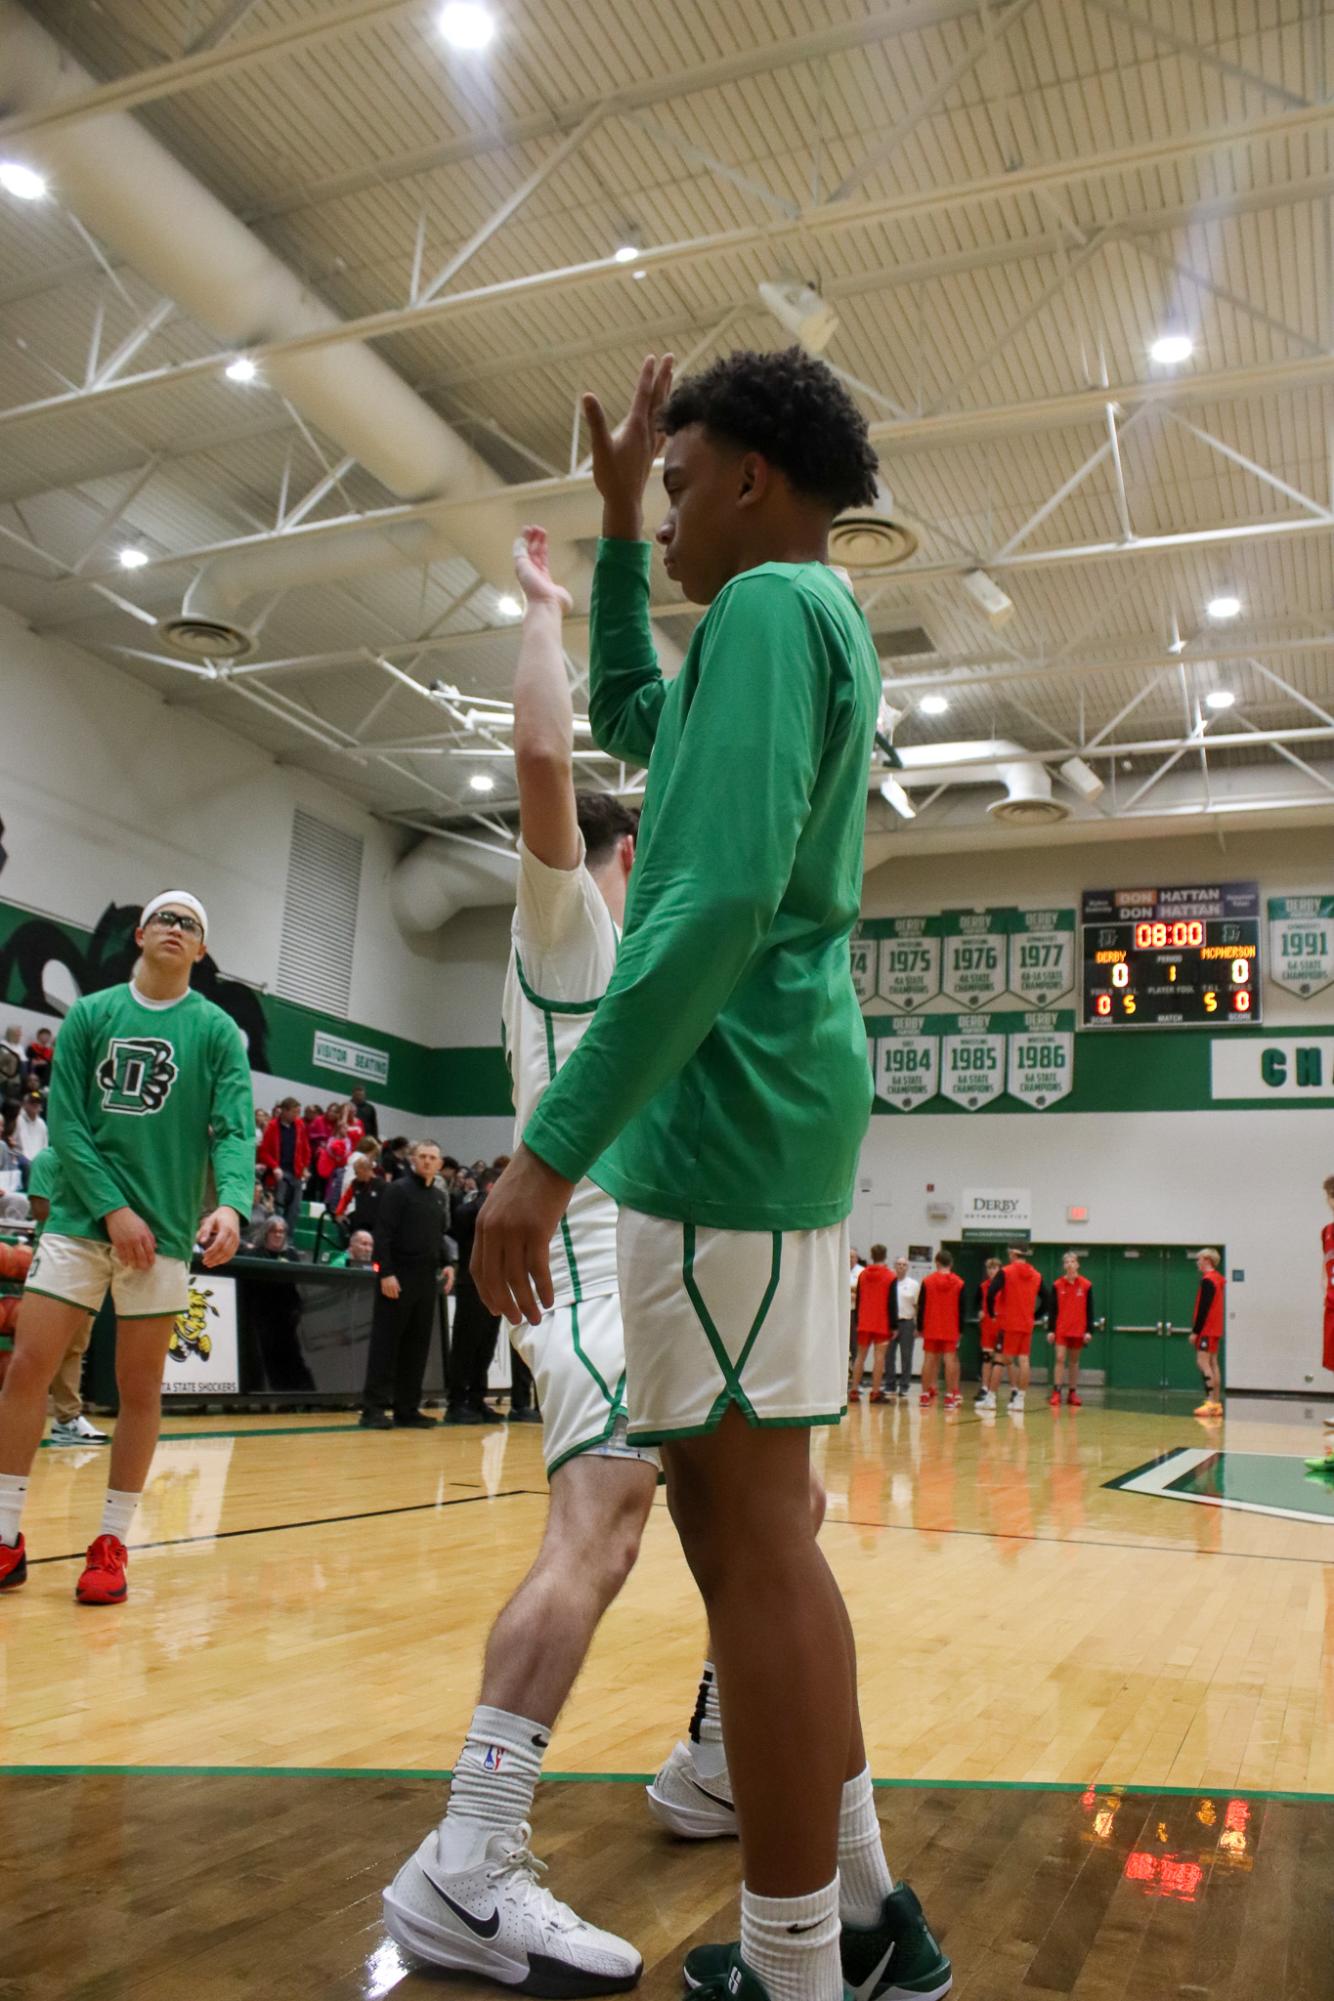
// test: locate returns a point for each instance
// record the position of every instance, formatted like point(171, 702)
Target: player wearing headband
point(150, 1086)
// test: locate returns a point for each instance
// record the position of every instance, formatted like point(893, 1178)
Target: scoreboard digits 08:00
point(1171, 958)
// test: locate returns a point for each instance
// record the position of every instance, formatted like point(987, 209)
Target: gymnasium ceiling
point(1004, 202)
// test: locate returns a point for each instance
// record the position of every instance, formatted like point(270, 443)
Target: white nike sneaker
point(497, 1920)
point(76, 1431)
point(1016, 1400)
point(700, 1809)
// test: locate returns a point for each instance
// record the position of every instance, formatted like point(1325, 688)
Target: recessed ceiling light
point(22, 182)
point(482, 781)
point(465, 25)
point(133, 559)
point(933, 705)
point(242, 369)
point(1220, 698)
point(1171, 348)
point(639, 275)
point(626, 253)
point(1225, 606)
point(509, 606)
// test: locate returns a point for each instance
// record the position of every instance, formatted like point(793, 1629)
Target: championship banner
point(202, 1358)
point(1041, 1066)
point(972, 1061)
point(905, 1064)
point(973, 957)
point(1042, 956)
point(897, 959)
point(1301, 943)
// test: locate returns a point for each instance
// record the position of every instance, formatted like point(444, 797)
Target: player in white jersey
point(469, 1897)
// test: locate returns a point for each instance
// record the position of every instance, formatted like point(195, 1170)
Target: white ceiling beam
point(519, 290)
point(994, 26)
point(190, 72)
point(1183, 45)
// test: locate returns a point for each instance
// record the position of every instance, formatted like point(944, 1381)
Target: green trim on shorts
point(164, 1313)
point(589, 1444)
point(41, 1292)
point(591, 1367)
point(550, 1007)
point(716, 1416)
point(565, 1237)
point(731, 1372)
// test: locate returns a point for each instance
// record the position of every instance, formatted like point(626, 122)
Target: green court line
point(1073, 1787)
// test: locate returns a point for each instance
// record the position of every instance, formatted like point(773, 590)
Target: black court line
point(316, 1521)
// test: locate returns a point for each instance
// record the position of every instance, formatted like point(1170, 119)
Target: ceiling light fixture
point(482, 781)
point(1224, 606)
point(988, 596)
point(1170, 349)
point(1220, 698)
point(934, 705)
point(509, 606)
point(242, 369)
point(626, 253)
point(24, 183)
point(132, 558)
point(466, 26)
point(802, 311)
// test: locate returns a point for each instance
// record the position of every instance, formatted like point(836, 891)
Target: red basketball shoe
point(13, 1565)
point(103, 1580)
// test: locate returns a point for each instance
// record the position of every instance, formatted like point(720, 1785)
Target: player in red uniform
point(1206, 1332)
point(940, 1323)
point(988, 1328)
point(1072, 1328)
point(1014, 1296)
point(877, 1310)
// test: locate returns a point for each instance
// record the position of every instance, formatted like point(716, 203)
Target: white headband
point(181, 896)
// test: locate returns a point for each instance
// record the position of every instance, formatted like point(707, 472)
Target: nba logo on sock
point(491, 1761)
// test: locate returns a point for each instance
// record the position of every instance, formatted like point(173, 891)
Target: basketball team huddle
point(670, 1239)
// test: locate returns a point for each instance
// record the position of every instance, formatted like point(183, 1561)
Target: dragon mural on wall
point(38, 944)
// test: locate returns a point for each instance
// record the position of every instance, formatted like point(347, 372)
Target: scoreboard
point(1171, 958)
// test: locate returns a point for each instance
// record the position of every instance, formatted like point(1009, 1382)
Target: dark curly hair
point(602, 822)
point(793, 410)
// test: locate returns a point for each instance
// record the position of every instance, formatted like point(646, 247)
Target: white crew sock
point(118, 1514)
point(791, 1944)
point(494, 1782)
point(706, 1727)
point(13, 1493)
point(863, 1873)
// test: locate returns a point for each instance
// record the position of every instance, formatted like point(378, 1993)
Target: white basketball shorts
point(755, 1318)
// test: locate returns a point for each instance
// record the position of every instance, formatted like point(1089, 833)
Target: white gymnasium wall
point(1248, 1179)
point(109, 792)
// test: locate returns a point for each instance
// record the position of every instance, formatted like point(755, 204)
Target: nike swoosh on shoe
point(483, 1927)
point(873, 1979)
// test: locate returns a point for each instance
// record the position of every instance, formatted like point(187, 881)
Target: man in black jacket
point(365, 1111)
point(412, 1249)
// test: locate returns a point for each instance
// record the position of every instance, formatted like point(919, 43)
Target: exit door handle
point(1156, 1328)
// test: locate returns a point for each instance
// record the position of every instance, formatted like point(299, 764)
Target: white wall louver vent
point(320, 914)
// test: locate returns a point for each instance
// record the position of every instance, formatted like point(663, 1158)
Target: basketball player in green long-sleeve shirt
point(721, 1094)
point(151, 1083)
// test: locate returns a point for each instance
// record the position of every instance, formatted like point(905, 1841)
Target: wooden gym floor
point(1106, 1717)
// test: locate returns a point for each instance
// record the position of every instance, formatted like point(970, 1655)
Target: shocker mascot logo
point(190, 1335)
point(136, 1074)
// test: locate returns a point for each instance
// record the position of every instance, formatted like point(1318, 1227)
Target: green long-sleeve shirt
point(723, 1080)
point(142, 1099)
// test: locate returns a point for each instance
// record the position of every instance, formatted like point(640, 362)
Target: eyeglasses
point(177, 920)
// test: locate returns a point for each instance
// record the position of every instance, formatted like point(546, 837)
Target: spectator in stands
point(359, 1255)
point(30, 1134)
point(13, 1063)
point(41, 1051)
point(274, 1243)
point(475, 1331)
point(354, 1130)
point(416, 1258)
point(359, 1203)
point(15, 1208)
point(317, 1132)
point(261, 1211)
point(273, 1316)
point(333, 1157)
point(365, 1111)
point(395, 1162)
point(284, 1154)
point(370, 1148)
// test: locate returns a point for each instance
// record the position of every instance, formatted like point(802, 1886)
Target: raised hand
point(623, 458)
point(532, 566)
